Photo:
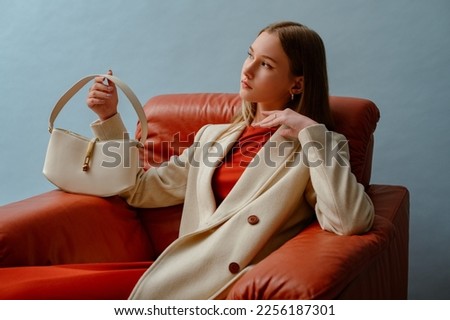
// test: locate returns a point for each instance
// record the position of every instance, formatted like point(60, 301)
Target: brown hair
point(306, 53)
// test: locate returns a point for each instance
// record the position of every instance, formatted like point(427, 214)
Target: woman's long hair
point(306, 53)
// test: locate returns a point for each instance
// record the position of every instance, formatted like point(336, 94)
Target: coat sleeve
point(340, 202)
point(113, 128)
point(158, 186)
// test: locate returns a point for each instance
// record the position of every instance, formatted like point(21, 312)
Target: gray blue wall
point(396, 53)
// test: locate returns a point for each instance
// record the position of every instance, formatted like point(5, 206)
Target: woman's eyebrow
point(264, 56)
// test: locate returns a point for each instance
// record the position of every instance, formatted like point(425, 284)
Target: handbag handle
point(122, 85)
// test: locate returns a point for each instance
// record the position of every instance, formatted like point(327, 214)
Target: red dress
point(116, 280)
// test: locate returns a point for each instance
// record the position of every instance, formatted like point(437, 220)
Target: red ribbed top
point(241, 154)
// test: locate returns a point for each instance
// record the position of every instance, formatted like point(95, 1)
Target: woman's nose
point(248, 69)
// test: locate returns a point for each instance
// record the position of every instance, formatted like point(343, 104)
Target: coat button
point(234, 267)
point(253, 219)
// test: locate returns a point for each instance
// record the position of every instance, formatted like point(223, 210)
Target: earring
point(292, 96)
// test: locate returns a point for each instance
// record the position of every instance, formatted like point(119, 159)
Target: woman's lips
point(245, 85)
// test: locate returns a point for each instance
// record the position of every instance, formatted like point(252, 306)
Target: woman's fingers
point(102, 97)
point(92, 102)
point(96, 96)
point(100, 94)
point(273, 118)
point(100, 86)
point(293, 121)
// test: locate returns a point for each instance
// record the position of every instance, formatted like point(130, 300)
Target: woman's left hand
point(294, 121)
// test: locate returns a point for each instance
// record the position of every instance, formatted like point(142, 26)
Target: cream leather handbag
point(78, 164)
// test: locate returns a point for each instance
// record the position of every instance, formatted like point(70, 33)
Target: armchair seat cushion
point(61, 228)
point(103, 281)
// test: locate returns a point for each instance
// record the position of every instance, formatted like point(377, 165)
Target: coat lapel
point(270, 159)
point(212, 156)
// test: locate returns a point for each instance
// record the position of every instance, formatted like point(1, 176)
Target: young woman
point(285, 102)
point(229, 179)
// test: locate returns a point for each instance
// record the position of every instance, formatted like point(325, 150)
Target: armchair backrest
point(173, 120)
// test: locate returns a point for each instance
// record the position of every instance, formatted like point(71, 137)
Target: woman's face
point(266, 78)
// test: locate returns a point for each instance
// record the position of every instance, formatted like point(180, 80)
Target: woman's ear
point(298, 85)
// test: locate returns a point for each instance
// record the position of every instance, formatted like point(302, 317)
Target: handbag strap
point(122, 85)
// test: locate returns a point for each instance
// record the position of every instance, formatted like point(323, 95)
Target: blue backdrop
point(396, 53)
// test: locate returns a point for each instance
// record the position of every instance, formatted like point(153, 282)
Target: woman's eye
point(266, 65)
point(263, 63)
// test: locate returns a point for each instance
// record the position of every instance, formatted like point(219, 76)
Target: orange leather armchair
point(58, 228)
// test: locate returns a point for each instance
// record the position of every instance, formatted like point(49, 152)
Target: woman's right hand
point(102, 98)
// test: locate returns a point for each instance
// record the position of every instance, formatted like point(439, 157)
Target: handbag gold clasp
point(88, 156)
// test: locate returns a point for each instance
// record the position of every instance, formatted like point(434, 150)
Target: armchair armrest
point(58, 228)
point(321, 265)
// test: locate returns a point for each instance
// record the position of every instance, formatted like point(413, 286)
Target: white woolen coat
point(288, 182)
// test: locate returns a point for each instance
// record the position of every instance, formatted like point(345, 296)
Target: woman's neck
point(259, 108)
